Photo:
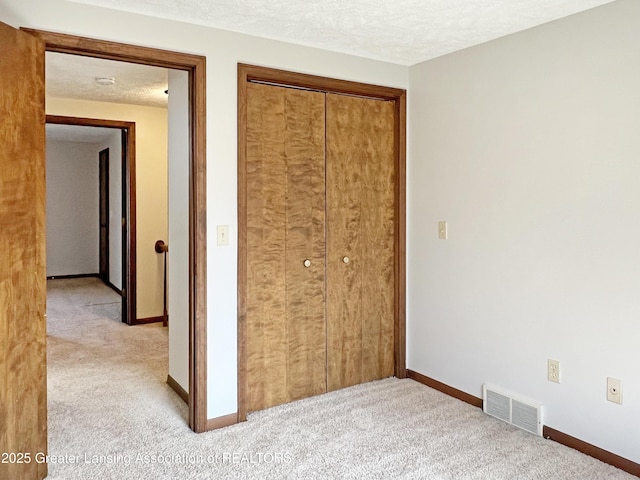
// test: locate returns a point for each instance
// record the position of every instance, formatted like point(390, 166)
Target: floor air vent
point(521, 412)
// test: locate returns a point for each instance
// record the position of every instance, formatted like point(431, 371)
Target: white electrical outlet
point(553, 370)
point(614, 390)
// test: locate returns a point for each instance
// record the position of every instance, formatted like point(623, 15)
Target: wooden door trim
point(104, 205)
point(400, 342)
point(251, 73)
point(129, 206)
point(196, 66)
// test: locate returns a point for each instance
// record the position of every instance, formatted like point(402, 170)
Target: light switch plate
point(442, 230)
point(223, 235)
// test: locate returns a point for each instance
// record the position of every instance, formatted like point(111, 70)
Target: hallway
point(107, 390)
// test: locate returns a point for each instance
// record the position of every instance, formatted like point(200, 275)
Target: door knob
point(161, 247)
point(307, 263)
point(345, 259)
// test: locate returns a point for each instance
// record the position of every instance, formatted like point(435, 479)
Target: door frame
point(251, 73)
point(129, 247)
point(196, 66)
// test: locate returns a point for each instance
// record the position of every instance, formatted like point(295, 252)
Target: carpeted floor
point(111, 416)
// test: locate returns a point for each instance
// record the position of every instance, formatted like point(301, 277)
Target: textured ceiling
point(398, 31)
point(72, 76)
point(405, 32)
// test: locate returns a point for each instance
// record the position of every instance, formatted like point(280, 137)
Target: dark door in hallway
point(104, 214)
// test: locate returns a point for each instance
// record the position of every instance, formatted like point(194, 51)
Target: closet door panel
point(344, 279)
point(378, 226)
point(286, 355)
point(266, 267)
point(360, 226)
point(305, 240)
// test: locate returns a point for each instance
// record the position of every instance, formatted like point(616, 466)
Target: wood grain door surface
point(320, 187)
point(286, 355)
point(360, 240)
point(23, 389)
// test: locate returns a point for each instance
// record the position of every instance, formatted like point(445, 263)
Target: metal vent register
point(514, 409)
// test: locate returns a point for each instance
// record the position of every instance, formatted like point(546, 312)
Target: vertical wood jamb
point(400, 240)
point(130, 249)
point(242, 242)
point(198, 253)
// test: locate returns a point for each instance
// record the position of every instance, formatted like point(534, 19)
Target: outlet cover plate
point(614, 390)
point(553, 371)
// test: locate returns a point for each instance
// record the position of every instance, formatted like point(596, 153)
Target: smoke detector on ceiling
point(105, 80)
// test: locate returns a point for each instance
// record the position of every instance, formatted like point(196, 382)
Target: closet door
point(360, 240)
point(286, 340)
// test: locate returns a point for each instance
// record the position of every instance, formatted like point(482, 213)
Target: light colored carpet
point(111, 411)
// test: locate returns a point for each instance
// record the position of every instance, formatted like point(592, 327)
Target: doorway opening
point(121, 275)
point(195, 67)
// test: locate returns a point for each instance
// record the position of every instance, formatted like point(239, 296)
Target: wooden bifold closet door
point(360, 240)
point(285, 219)
point(320, 209)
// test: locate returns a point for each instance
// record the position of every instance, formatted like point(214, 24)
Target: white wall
point(529, 147)
point(178, 255)
point(223, 51)
point(72, 208)
point(526, 145)
point(151, 187)
point(114, 144)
